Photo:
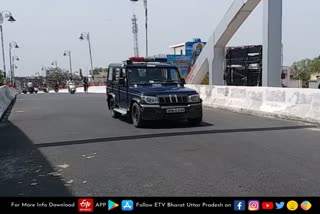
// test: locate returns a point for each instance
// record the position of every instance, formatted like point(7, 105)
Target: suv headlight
point(150, 100)
point(194, 98)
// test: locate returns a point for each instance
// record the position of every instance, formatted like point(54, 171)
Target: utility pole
point(135, 35)
point(145, 2)
point(146, 24)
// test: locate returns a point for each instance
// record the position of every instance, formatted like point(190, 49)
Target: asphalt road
point(68, 145)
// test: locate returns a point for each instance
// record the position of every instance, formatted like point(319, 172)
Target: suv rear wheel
point(114, 114)
point(136, 116)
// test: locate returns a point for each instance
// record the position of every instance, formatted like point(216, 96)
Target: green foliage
point(303, 69)
point(60, 75)
point(315, 66)
point(97, 71)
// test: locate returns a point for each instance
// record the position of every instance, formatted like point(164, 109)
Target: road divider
point(7, 94)
point(91, 89)
point(288, 103)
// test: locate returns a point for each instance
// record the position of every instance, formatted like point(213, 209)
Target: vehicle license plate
point(176, 110)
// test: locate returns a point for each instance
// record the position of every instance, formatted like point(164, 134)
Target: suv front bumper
point(157, 112)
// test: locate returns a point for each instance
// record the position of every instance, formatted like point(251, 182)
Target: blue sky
point(46, 28)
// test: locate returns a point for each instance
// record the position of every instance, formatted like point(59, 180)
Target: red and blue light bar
point(147, 59)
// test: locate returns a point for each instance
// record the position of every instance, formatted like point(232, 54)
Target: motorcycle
point(56, 89)
point(72, 88)
point(30, 88)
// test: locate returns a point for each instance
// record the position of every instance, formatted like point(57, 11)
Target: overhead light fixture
point(11, 19)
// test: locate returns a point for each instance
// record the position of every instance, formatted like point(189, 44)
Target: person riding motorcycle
point(56, 87)
point(85, 84)
point(71, 85)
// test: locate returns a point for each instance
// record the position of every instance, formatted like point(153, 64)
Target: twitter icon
point(280, 205)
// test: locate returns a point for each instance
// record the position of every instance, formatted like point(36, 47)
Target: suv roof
point(142, 64)
point(155, 64)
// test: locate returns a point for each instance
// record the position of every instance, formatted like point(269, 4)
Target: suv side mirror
point(122, 81)
point(183, 81)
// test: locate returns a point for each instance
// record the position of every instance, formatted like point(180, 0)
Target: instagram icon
point(253, 205)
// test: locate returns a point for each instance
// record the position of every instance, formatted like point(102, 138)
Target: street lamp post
point(55, 63)
point(86, 35)
point(44, 71)
point(46, 74)
point(12, 45)
point(68, 53)
point(13, 68)
point(4, 15)
point(145, 2)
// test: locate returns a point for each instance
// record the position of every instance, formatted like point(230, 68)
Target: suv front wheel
point(136, 116)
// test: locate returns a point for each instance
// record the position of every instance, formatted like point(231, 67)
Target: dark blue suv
point(151, 91)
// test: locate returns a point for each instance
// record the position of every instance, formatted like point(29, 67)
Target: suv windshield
point(153, 75)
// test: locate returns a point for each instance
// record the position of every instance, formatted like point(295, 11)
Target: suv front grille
point(172, 99)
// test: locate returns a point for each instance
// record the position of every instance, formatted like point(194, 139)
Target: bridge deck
point(59, 144)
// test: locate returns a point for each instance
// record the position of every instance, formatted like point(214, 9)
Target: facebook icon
point(239, 205)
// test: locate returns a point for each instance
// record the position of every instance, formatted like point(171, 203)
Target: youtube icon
point(267, 206)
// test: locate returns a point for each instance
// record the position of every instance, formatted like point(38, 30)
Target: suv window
point(114, 74)
point(110, 74)
point(123, 73)
point(153, 75)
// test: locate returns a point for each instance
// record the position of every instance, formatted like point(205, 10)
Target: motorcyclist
point(56, 87)
point(85, 84)
point(70, 83)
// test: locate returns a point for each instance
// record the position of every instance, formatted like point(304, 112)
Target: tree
point(315, 65)
point(56, 74)
point(59, 75)
point(97, 71)
point(302, 69)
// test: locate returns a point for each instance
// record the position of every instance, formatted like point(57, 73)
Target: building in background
point(179, 49)
point(314, 81)
point(184, 55)
point(183, 62)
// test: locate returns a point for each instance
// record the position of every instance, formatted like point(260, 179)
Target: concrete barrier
point(292, 103)
point(7, 94)
point(91, 89)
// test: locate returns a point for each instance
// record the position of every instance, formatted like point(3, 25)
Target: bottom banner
point(162, 205)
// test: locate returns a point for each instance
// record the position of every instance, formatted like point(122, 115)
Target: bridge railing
point(291, 103)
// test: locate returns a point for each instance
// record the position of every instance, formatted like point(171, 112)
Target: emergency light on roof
point(137, 59)
point(147, 59)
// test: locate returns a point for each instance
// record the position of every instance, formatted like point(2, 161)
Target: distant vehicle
point(56, 88)
point(150, 91)
point(29, 88)
point(85, 85)
point(72, 88)
point(45, 90)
